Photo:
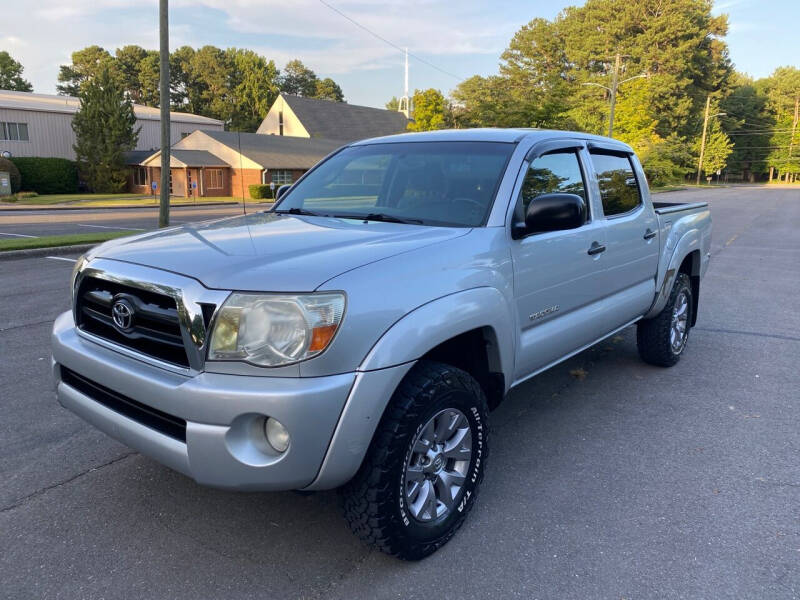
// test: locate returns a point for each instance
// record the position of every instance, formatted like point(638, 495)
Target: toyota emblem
point(122, 314)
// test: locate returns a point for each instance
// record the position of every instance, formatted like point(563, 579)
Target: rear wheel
point(421, 474)
point(662, 339)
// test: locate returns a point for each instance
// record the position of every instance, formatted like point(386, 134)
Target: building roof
point(186, 158)
point(342, 121)
point(70, 105)
point(135, 157)
point(276, 151)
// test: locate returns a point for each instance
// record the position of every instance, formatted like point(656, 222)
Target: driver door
point(557, 274)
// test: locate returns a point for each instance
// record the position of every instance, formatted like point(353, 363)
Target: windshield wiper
point(380, 217)
point(299, 211)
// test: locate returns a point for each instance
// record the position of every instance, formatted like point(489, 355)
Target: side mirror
point(281, 191)
point(553, 212)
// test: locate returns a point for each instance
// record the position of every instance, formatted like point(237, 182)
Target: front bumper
point(225, 446)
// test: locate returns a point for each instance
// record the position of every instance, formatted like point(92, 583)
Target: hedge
point(48, 175)
point(259, 191)
point(13, 171)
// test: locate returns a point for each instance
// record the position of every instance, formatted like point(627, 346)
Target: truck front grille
point(154, 327)
point(148, 416)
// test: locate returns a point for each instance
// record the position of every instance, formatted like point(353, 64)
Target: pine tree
point(11, 74)
point(104, 128)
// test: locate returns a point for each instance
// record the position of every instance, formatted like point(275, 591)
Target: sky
point(459, 39)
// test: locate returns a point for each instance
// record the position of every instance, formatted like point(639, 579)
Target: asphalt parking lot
point(608, 478)
point(42, 222)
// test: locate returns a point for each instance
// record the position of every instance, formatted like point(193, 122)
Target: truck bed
point(665, 208)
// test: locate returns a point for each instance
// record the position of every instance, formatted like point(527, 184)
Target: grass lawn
point(51, 241)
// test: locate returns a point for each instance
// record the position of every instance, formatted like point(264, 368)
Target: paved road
point(632, 482)
point(37, 223)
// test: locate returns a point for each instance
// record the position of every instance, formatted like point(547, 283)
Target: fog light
point(276, 433)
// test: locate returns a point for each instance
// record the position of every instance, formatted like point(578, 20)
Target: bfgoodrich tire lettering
point(376, 501)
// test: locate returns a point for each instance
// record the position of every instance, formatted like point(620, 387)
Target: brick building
point(225, 163)
point(295, 135)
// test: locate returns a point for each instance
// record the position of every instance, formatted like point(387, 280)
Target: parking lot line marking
point(107, 227)
point(18, 234)
point(72, 260)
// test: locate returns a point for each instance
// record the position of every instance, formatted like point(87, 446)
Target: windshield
point(427, 183)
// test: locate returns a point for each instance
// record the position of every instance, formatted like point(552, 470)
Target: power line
point(392, 44)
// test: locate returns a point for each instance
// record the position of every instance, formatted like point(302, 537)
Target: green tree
point(782, 91)
point(127, 62)
point(184, 90)
point(484, 102)
point(298, 79)
point(718, 149)
point(149, 74)
point(678, 42)
point(254, 87)
point(104, 131)
point(393, 104)
point(749, 124)
point(86, 65)
point(431, 111)
point(328, 89)
point(210, 71)
point(11, 74)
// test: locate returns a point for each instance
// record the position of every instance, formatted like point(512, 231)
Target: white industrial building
point(41, 125)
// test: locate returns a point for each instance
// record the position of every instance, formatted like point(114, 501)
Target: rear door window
point(619, 189)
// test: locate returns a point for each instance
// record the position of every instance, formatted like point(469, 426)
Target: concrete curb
point(53, 251)
point(36, 207)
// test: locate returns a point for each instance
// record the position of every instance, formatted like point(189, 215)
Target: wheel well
point(476, 352)
point(691, 266)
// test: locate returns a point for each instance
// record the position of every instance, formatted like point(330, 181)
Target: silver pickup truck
point(358, 333)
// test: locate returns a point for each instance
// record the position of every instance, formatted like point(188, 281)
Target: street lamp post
point(615, 83)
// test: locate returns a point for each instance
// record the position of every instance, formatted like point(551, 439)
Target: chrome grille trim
point(189, 296)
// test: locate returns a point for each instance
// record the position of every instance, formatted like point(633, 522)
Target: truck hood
point(272, 252)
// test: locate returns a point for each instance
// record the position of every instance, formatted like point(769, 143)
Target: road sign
point(194, 185)
point(154, 185)
point(272, 185)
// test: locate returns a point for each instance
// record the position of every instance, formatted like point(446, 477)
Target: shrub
point(14, 175)
point(48, 175)
point(259, 191)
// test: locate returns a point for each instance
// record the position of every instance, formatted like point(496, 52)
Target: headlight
point(276, 329)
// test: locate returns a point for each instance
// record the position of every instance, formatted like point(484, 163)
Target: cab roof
point(491, 134)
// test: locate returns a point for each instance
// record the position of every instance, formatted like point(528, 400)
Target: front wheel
point(422, 471)
point(662, 339)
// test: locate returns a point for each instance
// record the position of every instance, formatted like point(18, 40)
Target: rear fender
point(677, 251)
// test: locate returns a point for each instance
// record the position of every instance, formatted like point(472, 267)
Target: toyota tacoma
point(358, 333)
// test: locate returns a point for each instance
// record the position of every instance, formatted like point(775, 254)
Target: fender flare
point(689, 242)
point(394, 354)
point(429, 325)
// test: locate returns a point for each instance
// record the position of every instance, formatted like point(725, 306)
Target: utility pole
point(163, 26)
point(614, 86)
point(794, 123)
point(703, 141)
point(615, 83)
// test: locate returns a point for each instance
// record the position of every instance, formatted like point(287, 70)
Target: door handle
point(595, 249)
point(649, 234)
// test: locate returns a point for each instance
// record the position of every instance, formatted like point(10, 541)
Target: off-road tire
point(653, 335)
point(374, 504)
